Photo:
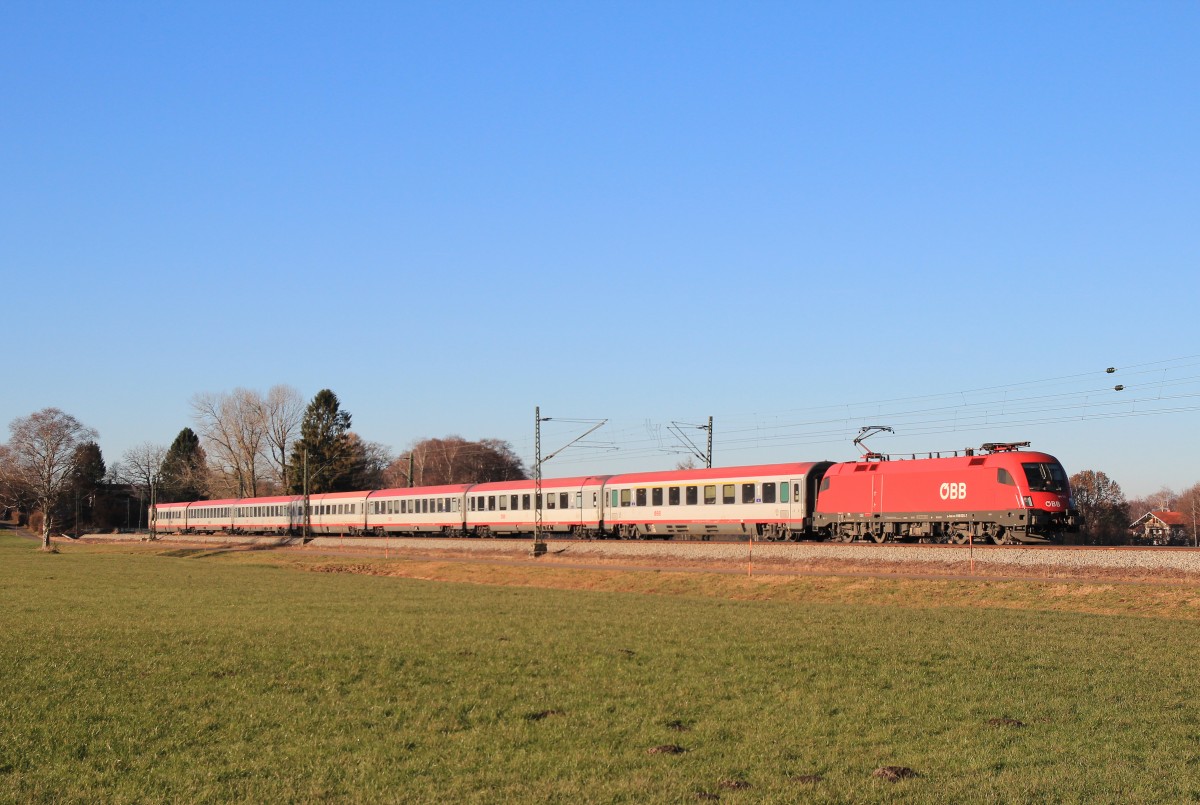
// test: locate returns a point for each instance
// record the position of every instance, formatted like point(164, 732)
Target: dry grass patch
point(1100, 598)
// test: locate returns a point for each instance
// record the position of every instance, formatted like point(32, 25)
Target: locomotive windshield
point(1046, 477)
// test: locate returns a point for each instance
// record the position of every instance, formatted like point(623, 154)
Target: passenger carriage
point(767, 501)
point(169, 517)
point(211, 516)
point(271, 515)
point(570, 506)
point(425, 510)
point(342, 513)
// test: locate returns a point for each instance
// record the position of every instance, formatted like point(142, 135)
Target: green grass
point(129, 674)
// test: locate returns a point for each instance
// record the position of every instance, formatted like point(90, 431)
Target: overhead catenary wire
point(1152, 388)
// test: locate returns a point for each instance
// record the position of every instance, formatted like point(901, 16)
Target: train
point(999, 493)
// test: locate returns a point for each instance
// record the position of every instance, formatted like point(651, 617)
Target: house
point(1160, 528)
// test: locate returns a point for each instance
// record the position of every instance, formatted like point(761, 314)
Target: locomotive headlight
point(1028, 501)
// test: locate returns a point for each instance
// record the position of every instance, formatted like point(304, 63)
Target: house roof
point(1166, 518)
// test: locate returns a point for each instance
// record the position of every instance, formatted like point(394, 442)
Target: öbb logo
point(950, 491)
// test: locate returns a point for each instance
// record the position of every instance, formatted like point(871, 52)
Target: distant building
point(1160, 528)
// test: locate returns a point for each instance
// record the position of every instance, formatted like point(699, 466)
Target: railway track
point(1012, 560)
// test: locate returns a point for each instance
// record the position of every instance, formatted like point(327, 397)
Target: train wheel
point(877, 535)
point(960, 537)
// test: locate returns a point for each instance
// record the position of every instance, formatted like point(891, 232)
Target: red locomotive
point(997, 494)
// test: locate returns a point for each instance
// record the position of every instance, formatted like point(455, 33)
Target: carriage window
point(550, 501)
point(710, 493)
point(656, 496)
point(441, 504)
point(525, 502)
point(454, 504)
point(564, 499)
point(769, 492)
point(727, 493)
point(691, 495)
point(504, 503)
point(578, 500)
point(640, 497)
point(747, 493)
point(626, 497)
point(673, 496)
point(424, 505)
point(491, 503)
point(513, 500)
point(614, 498)
point(783, 492)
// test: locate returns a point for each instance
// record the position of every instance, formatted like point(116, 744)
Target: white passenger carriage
point(422, 510)
point(343, 513)
point(169, 517)
point(766, 501)
point(211, 516)
point(271, 515)
point(570, 506)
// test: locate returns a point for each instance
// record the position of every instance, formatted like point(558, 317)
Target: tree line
point(1107, 513)
point(244, 444)
point(249, 444)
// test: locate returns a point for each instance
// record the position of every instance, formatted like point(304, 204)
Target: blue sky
point(646, 212)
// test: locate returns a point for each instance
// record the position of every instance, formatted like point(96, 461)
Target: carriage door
point(876, 491)
point(795, 495)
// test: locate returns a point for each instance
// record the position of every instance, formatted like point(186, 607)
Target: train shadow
point(204, 553)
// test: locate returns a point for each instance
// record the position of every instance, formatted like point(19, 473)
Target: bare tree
point(1188, 505)
point(39, 458)
point(1163, 500)
point(369, 461)
point(140, 465)
point(1102, 505)
point(454, 460)
point(234, 430)
point(283, 410)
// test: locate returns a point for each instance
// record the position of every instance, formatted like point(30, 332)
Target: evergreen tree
point(326, 447)
point(181, 476)
point(86, 485)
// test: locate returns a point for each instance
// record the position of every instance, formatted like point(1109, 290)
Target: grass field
point(142, 673)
